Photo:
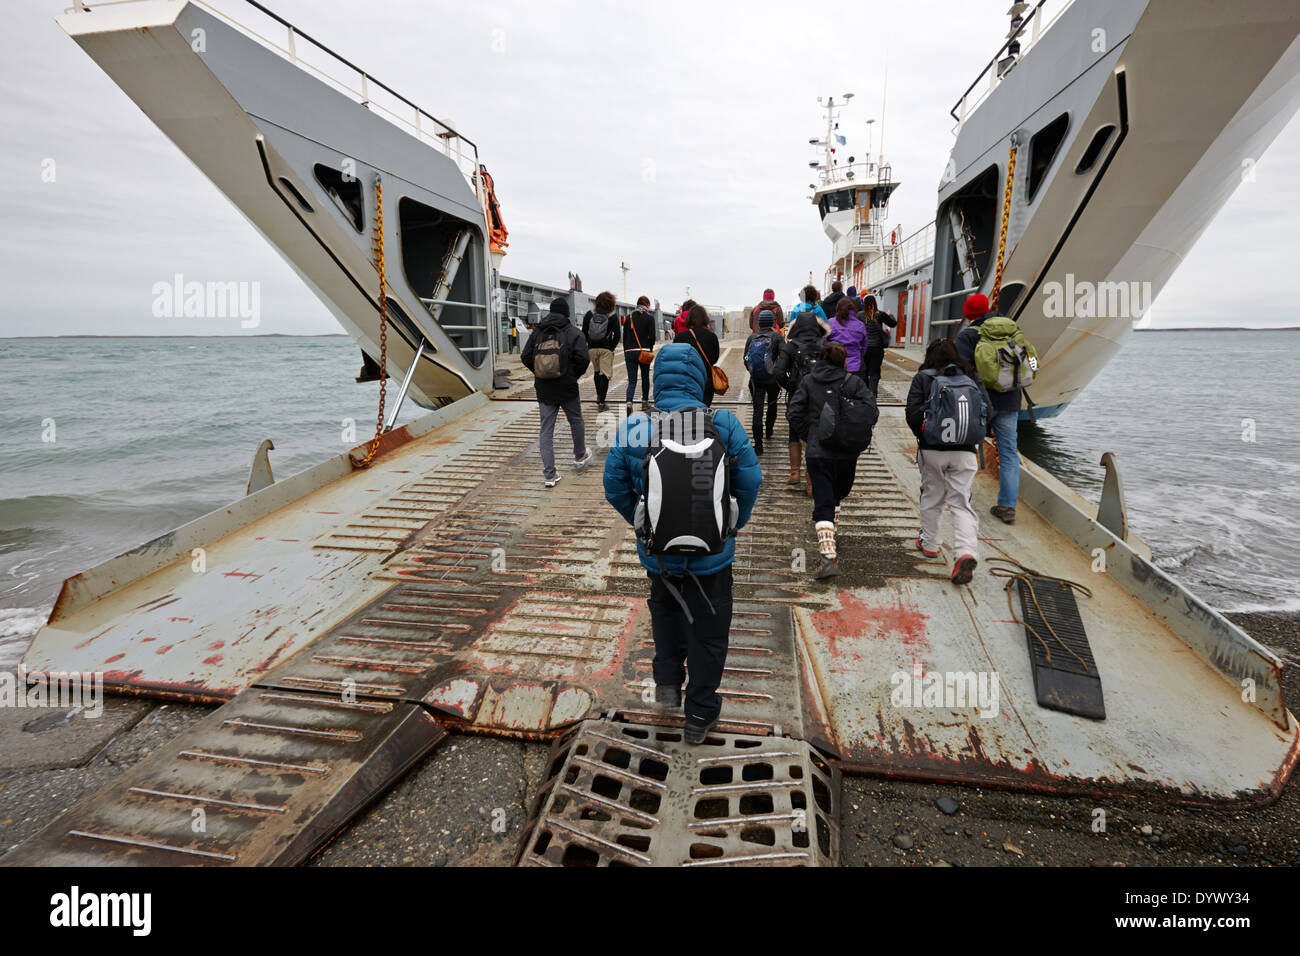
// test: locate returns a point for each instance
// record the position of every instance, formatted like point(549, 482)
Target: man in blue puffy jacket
point(690, 600)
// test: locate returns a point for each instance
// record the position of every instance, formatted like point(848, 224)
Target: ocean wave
point(18, 625)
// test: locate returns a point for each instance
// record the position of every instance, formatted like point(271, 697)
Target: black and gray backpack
point(955, 416)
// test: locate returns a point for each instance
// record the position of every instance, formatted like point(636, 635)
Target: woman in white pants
point(942, 413)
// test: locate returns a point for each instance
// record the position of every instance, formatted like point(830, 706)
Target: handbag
point(720, 381)
point(644, 356)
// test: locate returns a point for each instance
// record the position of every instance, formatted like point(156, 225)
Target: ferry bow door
point(900, 334)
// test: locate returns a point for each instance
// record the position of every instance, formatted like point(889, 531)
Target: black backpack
point(598, 329)
point(845, 423)
point(806, 338)
point(686, 505)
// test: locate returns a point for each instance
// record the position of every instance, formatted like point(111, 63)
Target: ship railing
point(314, 57)
point(897, 257)
point(1031, 29)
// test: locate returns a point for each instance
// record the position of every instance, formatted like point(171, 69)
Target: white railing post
point(293, 54)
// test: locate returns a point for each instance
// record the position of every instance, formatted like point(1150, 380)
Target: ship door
point(901, 314)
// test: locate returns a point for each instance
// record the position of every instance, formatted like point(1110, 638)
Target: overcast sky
point(670, 135)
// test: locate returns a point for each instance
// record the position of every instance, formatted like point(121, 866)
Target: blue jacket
point(679, 375)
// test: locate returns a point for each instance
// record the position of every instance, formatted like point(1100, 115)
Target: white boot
point(826, 545)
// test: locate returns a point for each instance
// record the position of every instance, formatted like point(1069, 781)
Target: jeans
point(946, 477)
point(573, 412)
point(768, 394)
point(630, 357)
point(832, 480)
point(1004, 427)
point(700, 648)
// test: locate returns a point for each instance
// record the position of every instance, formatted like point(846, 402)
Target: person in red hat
point(1005, 407)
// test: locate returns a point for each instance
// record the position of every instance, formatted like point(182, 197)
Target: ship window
point(1042, 150)
point(1099, 141)
point(345, 190)
point(837, 201)
point(293, 191)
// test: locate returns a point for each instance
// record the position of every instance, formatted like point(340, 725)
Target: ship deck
point(352, 621)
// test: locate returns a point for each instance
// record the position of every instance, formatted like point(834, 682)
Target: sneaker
point(668, 696)
point(920, 547)
point(581, 463)
point(552, 482)
point(829, 568)
point(964, 569)
point(695, 733)
point(1004, 513)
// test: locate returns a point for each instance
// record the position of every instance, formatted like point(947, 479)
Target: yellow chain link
point(1002, 239)
point(383, 328)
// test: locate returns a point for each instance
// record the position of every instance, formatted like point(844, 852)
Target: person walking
point(1005, 362)
point(832, 301)
point(638, 350)
point(600, 326)
point(834, 413)
point(679, 323)
point(690, 598)
point(699, 333)
point(556, 354)
point(808, 303)
point(804, 338)
point(850, 333)
point(878, 324)
point(763, 361)
point(768, 302)
point(949, 411)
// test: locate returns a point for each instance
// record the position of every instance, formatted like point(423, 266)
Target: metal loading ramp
point(445, 589)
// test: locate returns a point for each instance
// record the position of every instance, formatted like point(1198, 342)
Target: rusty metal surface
point(266, 779)
point(1173, 724)
point(531, 662)
point(620, 794)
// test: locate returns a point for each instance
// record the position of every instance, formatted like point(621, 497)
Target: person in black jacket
point(830, 468)
point(555, 336)
point(874, 357)
point(765, 387)
point(601, 347)
point(947, 471)
point(832, 301)
point(699, 334)
point(638, 336)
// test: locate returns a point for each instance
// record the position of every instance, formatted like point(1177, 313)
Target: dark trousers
point(872, 361)
point(832, 480)
point(700, 648)
point(630, 357)
point(767, 394)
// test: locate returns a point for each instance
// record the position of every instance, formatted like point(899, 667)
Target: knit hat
point(766, 319)
point(853, 292)
point(976, 305)
point(560, 306)
point(768, 294)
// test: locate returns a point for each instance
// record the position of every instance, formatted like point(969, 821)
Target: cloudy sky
point(670, 135)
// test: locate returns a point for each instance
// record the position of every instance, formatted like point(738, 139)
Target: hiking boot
point(920, 547)
point(552, 482)
point(601, 406)
point(830, 567)
point(629, 409)
point(581, 463)
point(769, 433)
point(695, 732)
point(796, 455)
point(964, 569)
point(1004, 513)
point(668, 696)
point(645, 405)
point(758, 445)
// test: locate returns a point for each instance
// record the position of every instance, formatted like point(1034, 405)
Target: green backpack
point(1004, 358)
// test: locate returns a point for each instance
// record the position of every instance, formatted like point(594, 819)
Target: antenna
point(883, 96)
point(624, 267)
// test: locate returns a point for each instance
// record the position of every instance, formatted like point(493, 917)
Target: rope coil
point(378, 259)
point(1027, 575)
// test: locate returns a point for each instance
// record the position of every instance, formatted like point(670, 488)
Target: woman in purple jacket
point(850, 333)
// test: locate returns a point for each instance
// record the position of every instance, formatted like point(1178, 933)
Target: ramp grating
point(622, 794)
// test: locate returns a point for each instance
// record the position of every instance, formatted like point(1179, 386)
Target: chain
point(1002, 240)
point(383, 328)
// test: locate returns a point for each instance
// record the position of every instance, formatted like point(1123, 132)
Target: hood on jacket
point(553, 320)
point(679, 377)
point(824, 373)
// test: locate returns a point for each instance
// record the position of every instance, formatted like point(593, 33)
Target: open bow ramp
point(445, 587)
